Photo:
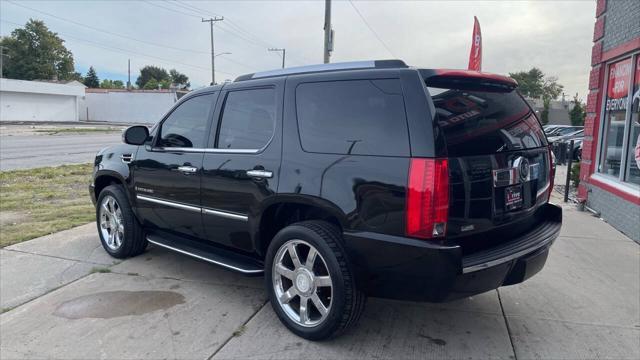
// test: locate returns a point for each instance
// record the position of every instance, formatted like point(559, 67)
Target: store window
point(615, 117)
point(632, 172)
point(620, 140)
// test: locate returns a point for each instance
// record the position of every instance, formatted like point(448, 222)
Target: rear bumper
point(409, 269)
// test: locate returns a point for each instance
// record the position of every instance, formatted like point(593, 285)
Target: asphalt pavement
point(63, 297)
point(24, 151)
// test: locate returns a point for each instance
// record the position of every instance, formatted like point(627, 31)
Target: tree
point(34, 52)
point(152, 84)
point(106, 84)
point(151, 72)
point(578, 112)
point(544, 115)
point(178, 79)
point(534, 84)
point(165, 83)
point(91, 79)
point(111, 84)
point(77, 77)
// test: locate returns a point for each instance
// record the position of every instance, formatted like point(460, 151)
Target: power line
point(228, 22)
point(170, 9)
point(107, 31)
point(163, 46)
point(240, 36)
point(125, 51)
point(240, 32)
point(371, 29)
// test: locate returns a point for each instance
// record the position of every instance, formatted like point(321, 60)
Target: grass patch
point(80, 130)
point(101, 270)
point(239, 331)
point(47, 200)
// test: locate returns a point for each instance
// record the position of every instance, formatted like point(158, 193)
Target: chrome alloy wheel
point(303, 288)
point(111, 223)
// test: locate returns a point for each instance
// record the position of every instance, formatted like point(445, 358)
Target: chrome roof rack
point(351, 65)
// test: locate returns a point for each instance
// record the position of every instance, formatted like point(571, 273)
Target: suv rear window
point(483, 122)
point(359, 117)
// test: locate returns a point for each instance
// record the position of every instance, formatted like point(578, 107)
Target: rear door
point(242, 163)
point(498, 158)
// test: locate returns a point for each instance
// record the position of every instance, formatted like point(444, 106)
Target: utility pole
point(213, 57)
point(283, 51)
point(129, 75)
point(328, 33)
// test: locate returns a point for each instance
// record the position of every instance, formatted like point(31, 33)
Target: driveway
point(65, 298)
point(19, 150)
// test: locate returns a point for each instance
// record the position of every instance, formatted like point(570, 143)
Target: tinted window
point(363, 117)
point(479, 122)
point(248, 119)
point(186, 126)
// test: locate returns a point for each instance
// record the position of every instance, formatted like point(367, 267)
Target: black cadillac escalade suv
point(338, 182)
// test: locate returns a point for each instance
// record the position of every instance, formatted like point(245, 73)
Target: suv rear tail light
point(427, 198)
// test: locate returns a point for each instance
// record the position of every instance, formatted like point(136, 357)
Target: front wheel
point(310, 283)
point(120, 233)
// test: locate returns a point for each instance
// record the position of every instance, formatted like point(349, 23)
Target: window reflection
point(476, 122)
point(633, 153)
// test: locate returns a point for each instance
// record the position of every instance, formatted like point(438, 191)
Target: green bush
point(575, 174)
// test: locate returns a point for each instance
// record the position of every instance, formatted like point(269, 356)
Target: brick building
point(610, 170)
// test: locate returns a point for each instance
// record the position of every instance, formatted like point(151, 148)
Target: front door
point(240, 169)
point(167, 172)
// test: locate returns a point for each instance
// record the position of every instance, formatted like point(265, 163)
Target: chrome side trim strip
point(225, 214)
point(207, 211)
point(168, 203)
point(244, 271)
point(208, 150)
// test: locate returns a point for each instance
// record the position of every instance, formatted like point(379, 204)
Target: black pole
point(569, 161)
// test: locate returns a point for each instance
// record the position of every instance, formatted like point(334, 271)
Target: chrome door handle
point(187, 169)
point(260, 174)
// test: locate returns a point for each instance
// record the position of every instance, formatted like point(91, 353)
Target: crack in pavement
point(58, 257)
point(240, 327)
point(506, 322)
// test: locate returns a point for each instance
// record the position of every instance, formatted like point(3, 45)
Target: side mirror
point(135, 135)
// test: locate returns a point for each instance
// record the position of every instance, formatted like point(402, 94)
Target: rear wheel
point(310, 284)
point(120, 233)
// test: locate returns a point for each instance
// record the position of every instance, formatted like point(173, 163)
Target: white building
point(22, 100)
point(127, 106)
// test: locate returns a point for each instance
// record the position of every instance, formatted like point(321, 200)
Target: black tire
point(134, 242)
point(347, 302)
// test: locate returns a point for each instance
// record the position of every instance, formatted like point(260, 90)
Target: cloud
point(554, 36)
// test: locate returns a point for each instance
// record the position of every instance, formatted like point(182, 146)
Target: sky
point(555, 36)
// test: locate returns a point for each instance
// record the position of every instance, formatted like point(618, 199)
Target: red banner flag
point(475, 56)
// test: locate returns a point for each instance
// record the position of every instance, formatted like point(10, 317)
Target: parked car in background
point(547, 128)
point(563, 130)
point(573, 135)
point(338, 182)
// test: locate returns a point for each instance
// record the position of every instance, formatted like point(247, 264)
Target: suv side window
point(186, 126)
point(360, 117)
point(248, 119)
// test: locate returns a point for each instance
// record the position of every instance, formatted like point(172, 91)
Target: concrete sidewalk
point(63, 297)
